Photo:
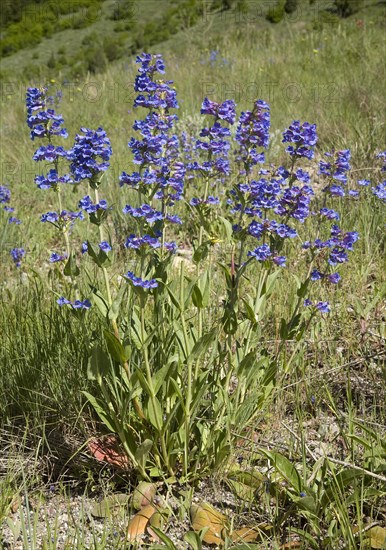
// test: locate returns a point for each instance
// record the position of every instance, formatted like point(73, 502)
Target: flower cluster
point(17, 254)
point(76, 304)
point(323, 307)
point(216, 145)
point(5, 198)
point(144, 283)
point(336, 169)
point(43, 122)
point(150, 214)
point(380, 191)
point(252, 132)
point(52, 179)
point(337, 245)
point(147, 241)
point(5, 195)
point(63, 219)
point(303, 139)
point(161, 173)
point(89, 155)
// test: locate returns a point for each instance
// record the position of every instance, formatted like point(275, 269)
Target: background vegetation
point(318, 61)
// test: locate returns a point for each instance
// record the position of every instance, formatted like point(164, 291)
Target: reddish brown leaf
point(107, 449)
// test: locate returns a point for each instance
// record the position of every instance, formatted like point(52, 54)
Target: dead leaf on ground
point(377, 537)
point(107, 449)
point(291, 544)
point(204, 516)
point(251, 534)
point(138, 524)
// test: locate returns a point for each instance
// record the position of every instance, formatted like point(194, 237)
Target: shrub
point(345, 8)
point(290, 6)
point(51, 63)
point(276, 13)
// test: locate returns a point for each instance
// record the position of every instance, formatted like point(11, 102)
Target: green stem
point(152, 395)
point(262, 279)
point(190, 382)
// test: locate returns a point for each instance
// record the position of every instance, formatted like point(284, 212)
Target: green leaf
point(71, 269)
point(164, 538)
point(230, 321)
point(92, 253)
point(308, 504)
point(110, 505)
point(227, 230)
point(302, 290)
point(197, 298)
point(203, 344)
point(116, 349)
point(285, 468)
point(250, 313)
point(143, 451)
point(173, 297)
point(160, 376)
point(154, 412)
point(270, 283)
point(201, 252)
point(144, 493)
point(245, 492)
point(115, 306)
point(98, 364)
point(100, 301)
point(102, 411)
point(193, 539)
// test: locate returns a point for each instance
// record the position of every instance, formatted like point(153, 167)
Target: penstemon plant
point(183, 371)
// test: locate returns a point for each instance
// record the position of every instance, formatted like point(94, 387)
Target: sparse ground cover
point(286, 437)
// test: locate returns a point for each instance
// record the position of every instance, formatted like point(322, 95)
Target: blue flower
point(64, 217)
point(364, 183)
point(84, 248)
point(261, 253)
point(50, 153)
point(380, 191)
point(43, 123)
point(17, 255)
point(279, 260)
point(5, 194)
point(329, 214)
point(145, 211)
point(303, 176)
point(55, 257)
point(52, 179)
point(105, 246)
point(334, 278)
point(316, 275)
point(77, 304)
point(14, 220)
point(90, 154)
point(51, 217)
point(88, 206)
point(323, 307)
point(144, 283)
point(303, 137)
point(224, 111)
point(252, 132)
